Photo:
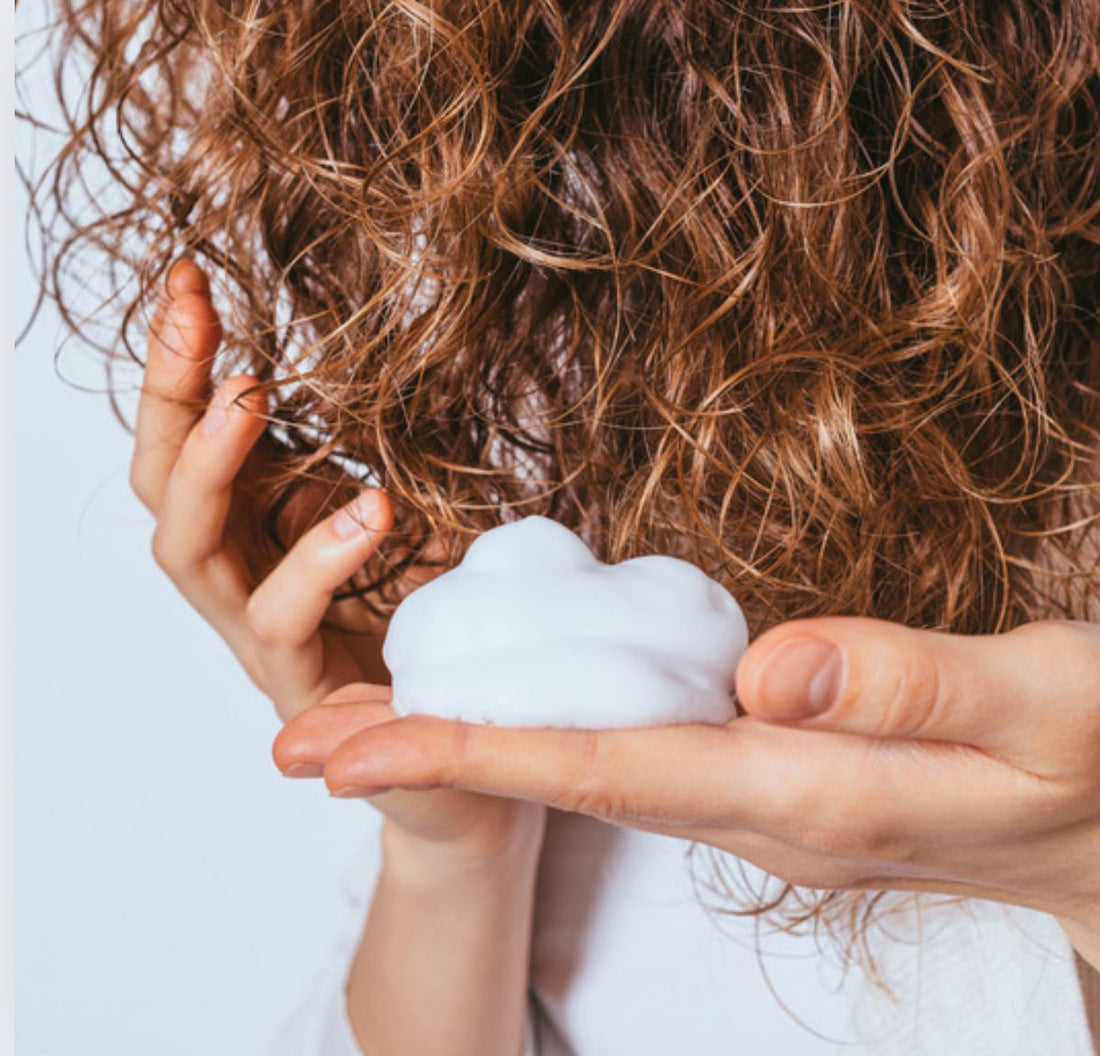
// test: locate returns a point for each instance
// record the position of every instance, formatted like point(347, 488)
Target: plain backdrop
point(7, 613)
point(174, 892)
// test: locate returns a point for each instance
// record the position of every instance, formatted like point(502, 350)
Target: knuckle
point(877, 839)
point(262, 621)
point(186, 476)
point(827, 838)
point(423, 751)
point(176, 552)
point(845, 827)
point(837, 830)
point(141, 486)
point(461, 761)
point(917, 700)
point(163, 550)
point(1076, 645)
point(809, 820)
point(308, 559)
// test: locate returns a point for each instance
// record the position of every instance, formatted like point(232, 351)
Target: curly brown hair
point(805, 294)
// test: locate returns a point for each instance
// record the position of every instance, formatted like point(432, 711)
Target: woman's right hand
point(189, 468)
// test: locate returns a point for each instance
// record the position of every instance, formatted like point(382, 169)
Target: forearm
point(442, 965)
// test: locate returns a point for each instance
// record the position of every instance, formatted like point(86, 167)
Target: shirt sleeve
point(319, 1024)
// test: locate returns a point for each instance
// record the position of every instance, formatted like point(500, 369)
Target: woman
point(806, 295)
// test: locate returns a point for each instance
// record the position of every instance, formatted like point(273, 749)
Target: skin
point(962, 765)
point(944, 763)
point(441, 967)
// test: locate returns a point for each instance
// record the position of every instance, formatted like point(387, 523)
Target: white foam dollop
point(530, 629)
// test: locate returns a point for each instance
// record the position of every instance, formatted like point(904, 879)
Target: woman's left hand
point(872, 756)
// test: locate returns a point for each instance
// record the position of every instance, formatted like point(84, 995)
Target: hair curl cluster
point(804, 293)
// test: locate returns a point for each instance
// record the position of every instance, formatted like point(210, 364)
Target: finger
point(838, 806)
point(843, 805)
point(287, 607)
point(302, 745)
point(183, 340)
point(796, 785)
point(563, 768)
point(195, 502)
point(285, 611)
point(1021, 695)
point(185, 276)
point(587, 771)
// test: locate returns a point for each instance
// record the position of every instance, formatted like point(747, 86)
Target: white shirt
point(626, 961)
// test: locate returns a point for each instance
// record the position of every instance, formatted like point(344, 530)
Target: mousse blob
point(530, 629)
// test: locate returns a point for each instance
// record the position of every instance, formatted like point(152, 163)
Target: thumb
point(882, 679)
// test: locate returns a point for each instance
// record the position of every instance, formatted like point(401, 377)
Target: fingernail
point(354, 519)
point(303, 770)
point(216, 413)
point(801, 678)
point(347, 792)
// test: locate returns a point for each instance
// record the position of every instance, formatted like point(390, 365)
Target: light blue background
point(174, 892)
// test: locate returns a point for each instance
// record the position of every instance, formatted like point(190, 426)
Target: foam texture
point(530, 629)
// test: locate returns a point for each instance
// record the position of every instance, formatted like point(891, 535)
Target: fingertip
point(337, 784)
point(369, 514)
point(287, 749)
point(315, 734)
point(385, 510)
point(353, 793)
point(186, 277)
point(301, 747)
point(794, 670)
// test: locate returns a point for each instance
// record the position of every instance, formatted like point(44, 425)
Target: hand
point(193, 473)
point(439, 823)
point(191, 470)
point(963, 765)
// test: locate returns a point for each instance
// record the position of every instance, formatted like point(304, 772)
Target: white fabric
point(627, 962)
